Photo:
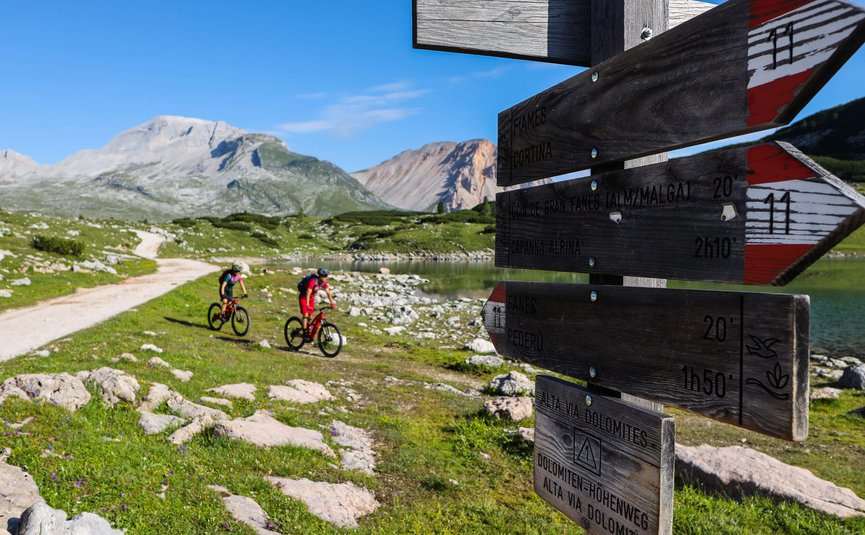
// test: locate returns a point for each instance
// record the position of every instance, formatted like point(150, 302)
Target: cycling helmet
point(236, 267)
point(322, 272)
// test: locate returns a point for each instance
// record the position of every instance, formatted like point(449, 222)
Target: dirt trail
point(25, 329)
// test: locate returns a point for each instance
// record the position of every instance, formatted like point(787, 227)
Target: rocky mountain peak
point(460, 175)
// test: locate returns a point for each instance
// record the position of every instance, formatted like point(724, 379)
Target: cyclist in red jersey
point(307, 298)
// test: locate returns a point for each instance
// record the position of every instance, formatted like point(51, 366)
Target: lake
point(836, 287)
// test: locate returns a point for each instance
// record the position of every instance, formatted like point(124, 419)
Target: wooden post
point(618, 25)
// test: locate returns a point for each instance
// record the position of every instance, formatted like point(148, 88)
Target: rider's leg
point(224, 306)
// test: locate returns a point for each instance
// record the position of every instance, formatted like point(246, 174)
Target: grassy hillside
point(51, 273)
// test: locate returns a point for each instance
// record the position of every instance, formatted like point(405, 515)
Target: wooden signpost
point(740, 358)
point(603, 462)
point(743, 66)
point(754, 215)
point(757, 215)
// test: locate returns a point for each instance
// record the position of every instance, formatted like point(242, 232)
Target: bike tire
point(214, 317)
point(240, 321)
point(329, 339)
point(293, 333)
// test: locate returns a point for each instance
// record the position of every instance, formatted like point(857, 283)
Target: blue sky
point(338, 80)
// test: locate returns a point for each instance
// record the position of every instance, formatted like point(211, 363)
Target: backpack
point(304, 283)
point(222, 276)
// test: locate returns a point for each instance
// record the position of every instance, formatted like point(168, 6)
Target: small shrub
point(265, 239)
point(185, 222)
point(53, 244)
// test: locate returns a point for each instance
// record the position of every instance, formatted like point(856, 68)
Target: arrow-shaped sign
point(744, 66)
point(741, 358)
point(757, 215)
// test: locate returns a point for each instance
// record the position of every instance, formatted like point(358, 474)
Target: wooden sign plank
point(753, 215)
point(603, 462)
point(556, 31)
point(740, 358)
point(743, 66)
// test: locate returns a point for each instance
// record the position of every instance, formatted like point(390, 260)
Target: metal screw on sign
point(593, 372)
point(594, 185)
point(593, 296)
point(592, 261)
point(595, 76)
point(588, 399)
point(646, 34)
point(594, 152)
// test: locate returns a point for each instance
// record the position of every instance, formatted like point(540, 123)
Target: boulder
point(183, 407)
point(237, 391)
point(853, 377)
point(60, 389)
point(156, 423)
point(825, 393)
point(739, 471)
point(114, 385)
point(443, 387)
point(509, 408)
point(492, 361)
point(261, 429)
point(156, 361)
point(185, 433)
point(155, 396)
point(340, 504)
point(246, 511)
point(40, 519)
point(512, 384)
point(479, 345)
point(127, 357)
point(181, 375)
point(359, 454)
point(299, 391)
point(18, 491)
point(151, 347)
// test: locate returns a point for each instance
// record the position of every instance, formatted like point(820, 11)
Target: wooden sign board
point(743, 66)
point(740, 358)
point(603, 462)
point(556, 31)
point(757, 215)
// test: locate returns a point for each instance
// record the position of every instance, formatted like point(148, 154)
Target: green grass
point(432, 476)
point(50, 270)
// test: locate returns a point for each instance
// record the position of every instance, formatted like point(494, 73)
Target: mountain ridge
point(173, 166)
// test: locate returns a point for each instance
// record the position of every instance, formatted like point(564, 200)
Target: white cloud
point(490, 74)
point(351, 114)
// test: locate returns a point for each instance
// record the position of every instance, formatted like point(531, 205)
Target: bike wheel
point(214, 316)
point(329, 340)
point(240, 321)
point(294, 333)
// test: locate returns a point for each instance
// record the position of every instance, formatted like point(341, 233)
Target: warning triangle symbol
point(587, 455)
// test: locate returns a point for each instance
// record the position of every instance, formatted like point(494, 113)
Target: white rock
point(21, 282)
point(181, 375)
point(512, 384)
point(509, 408)
point(155, 396)
point(6, 293)
point(60, 389)
point(340, 504)
point(41, 353)
point(156, 423)
point(493, 361)
point(265, 344)
point(156, 361)
point(825, 393)
point(299, 391)
point(245, 510)
point(261, 429)
point(18, 492)
point(127, 357)
point(359, 455)
point(114, 385)
point(151, 347)
point(238, 391)
point(394, 330)
point(481, 346)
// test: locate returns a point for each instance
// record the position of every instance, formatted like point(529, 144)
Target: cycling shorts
point(306, 310)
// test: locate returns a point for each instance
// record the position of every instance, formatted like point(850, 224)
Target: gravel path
point(25, 329)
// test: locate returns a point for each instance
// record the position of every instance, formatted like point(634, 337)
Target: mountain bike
point(237, 314)
point(324, 332)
